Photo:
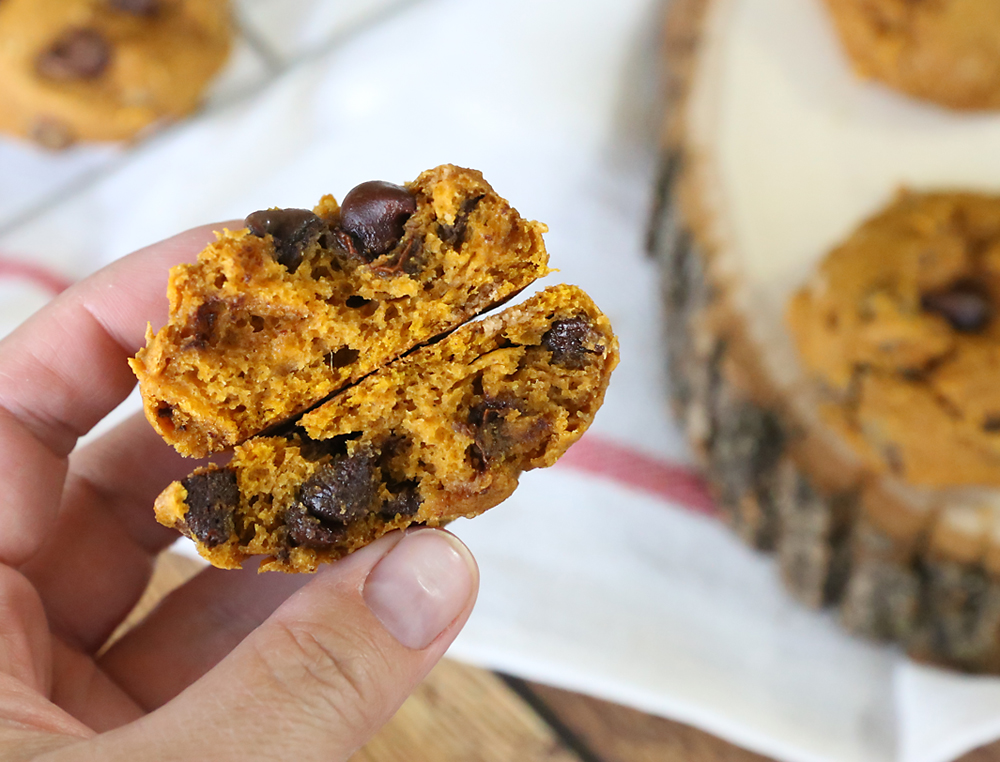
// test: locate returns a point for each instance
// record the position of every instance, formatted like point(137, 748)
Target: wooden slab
point(614, 733)
point(463, 714)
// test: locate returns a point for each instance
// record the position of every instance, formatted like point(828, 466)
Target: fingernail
point(421, 586)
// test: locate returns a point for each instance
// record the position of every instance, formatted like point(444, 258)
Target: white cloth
point(587, 582)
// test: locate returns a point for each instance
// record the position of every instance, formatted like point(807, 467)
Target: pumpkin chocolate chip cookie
point(277, 316)
point(900, 325)
point(105, 69)
point(947, 51)
point(441, 433)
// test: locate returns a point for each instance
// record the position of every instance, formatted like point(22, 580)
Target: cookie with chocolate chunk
point(97, 70)
point(947, 51)
point(899, 325)
point(442, 433)
point(277, 316)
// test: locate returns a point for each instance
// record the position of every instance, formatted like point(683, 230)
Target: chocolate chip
point(565, 339)
point(965, 305)
point(454, 234)
point(991, 423)
point(409, 259)
point(488, 411)
point(342, 357)
point(491, 440)
point(494, 436)
point(374, 214)
point(212, 499)
point(76, 54)
point(293, 231)
point(202, 328)
point(305, 531)
point(137, 7)
point(342, 490)
point(404, 501)
point(315, 449)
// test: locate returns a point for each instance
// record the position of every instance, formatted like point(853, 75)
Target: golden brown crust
point(140, 70)
point(440, 434)
point(252, 341)
point(946, 51)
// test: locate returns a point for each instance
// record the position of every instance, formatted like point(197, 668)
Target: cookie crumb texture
point(275, 317)
point(946, 51)
point(441, 433)
point(97, 70)
point(901, 328)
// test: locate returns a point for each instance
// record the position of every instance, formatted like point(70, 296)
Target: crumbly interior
point(441, 433)
point(255, 337)
point(901, 328)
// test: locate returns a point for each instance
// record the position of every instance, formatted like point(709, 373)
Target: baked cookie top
point(442, 433)
point(275, 317)
point(947, 51)
point(105, 69)
point(900, 327)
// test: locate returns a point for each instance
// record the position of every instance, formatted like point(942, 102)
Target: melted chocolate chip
point(76, 54)
point(293, 231)
point(212, 499)
point(202, 327)
point(454, 234)
point(305, 531)
point(408, 259)
point(491, 439)
point(991, 423)
point(374, 214)
point(488, 411)
point(405, 501)
point(341, 491)
point(565, 340)
point(967, 306)
point(495, 437)
point(137, 7)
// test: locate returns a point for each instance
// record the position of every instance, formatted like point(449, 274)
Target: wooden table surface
point(463, 714)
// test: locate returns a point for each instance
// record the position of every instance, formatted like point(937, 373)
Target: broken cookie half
point(441, 433)
point(275, 317)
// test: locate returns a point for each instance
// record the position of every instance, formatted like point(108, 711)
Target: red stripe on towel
point(51, 281)
point(631, 468)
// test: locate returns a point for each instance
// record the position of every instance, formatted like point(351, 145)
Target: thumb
point(328, 668)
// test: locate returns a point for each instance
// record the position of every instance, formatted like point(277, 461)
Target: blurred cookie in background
point(105, 70)
point(856, 435)
point(946, 51)
point(898, 327)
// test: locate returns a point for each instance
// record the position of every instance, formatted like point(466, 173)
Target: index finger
point(63, 370)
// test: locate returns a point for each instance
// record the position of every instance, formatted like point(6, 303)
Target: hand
point(232, 665)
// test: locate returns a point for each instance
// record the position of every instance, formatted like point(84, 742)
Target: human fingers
point(96, 561)
point(62, 371)
point(326, 670)
point(27, 718)
point(193, 629)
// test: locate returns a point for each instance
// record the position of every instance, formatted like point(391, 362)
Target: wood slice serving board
point(774, 152)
